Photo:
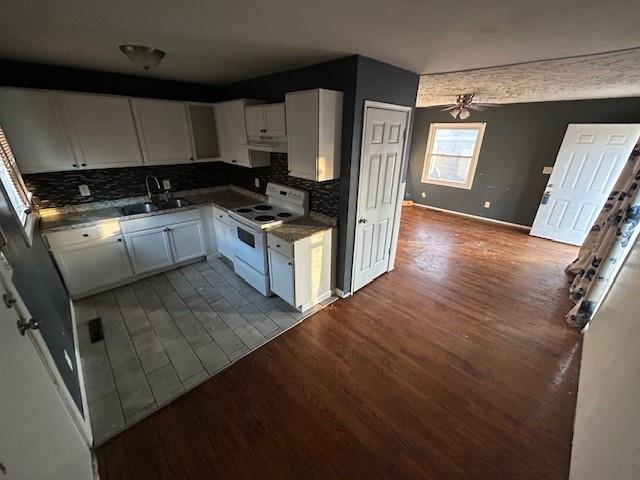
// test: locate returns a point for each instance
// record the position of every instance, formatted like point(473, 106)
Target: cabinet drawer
point(280, 245)
point(157, 221)
point(65, 238)
point(220, 214)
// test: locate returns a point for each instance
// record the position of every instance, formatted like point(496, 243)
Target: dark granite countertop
point(225, 198)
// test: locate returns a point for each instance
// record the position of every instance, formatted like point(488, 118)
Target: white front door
point(380, 169)
point(588, 164)
point(39, 438)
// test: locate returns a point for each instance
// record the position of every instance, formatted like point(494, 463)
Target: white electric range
point(250, 224)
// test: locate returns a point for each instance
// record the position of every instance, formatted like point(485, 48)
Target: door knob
point(24, 325)
point(362, 220)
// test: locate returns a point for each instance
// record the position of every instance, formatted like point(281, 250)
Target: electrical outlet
point(424, 194)
point(84, 190)
point(547, 170)
point(487, 204)
point(256, 182)
point(166, 184)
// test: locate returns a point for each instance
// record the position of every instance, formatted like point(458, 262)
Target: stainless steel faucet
point(146, 182)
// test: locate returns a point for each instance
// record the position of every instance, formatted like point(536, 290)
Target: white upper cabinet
point(31, 122)
point(266, 121)
point(314, 134)
point(232, 136)
point(101, 130)
point(204, 131)
point(164, 131)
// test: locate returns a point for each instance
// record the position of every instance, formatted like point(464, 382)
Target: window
point(452, 154)
point(15, 188)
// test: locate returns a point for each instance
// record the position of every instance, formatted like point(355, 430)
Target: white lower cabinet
point(87, 268)
point(160, 241)
point(186, 241)
point(149, 250)
point(281, 276)
point(301, 272)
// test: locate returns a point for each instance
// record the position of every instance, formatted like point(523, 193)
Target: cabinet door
point(255, 121)
point(164, 129)
point(302, 135)
point(186, 241)
point(89, 268)
point(149, 249)
point(281, 276)
point(204, 132)
point(274, 120)
point(220, 228)
point(34, 130)
point(102, 130)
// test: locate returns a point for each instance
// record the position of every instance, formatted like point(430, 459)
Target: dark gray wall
point(39, 284)
point(519, 140)
point(379, 82)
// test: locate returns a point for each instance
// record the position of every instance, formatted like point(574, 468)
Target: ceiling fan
point(464, 103)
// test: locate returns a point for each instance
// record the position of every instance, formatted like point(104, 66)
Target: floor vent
point(95, 330)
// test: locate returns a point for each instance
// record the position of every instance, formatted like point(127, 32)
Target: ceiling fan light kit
point(463, 106)
point(142, 56)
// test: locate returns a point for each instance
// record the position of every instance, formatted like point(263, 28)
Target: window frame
point(428, 156)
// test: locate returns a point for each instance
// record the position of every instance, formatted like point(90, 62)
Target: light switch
point(84, 190)
point(487, 204)
point(166, 184)
point(547, 170)
point(424, 194)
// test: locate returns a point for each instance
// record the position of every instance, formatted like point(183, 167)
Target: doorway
point(379, 190)
point(587, 167)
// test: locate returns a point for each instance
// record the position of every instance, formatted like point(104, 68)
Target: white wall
point(606, 440)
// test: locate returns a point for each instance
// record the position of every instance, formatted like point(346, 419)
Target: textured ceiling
point(593, 76)
point(219, 41)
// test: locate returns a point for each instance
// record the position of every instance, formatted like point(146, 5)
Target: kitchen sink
point(138, 208)
point(147, 207)
point(174, 203)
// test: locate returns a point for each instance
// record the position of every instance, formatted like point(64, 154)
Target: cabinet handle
point(233, 161)
point(84, 164)
point(119, 239)
point(85, 234)
point(290, 264)
point(277, 245)
point(75, 165)
point(191, 159)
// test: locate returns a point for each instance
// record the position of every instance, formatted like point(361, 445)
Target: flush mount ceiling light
point(145, 57)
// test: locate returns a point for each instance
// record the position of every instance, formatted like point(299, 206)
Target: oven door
point(248, 244)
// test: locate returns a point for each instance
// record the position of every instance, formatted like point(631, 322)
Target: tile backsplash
point(57, 189)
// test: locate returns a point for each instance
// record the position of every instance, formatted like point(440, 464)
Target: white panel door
point(103, 129)
point(589, 162)
point(281, 276)
point(34, 418)
point(149, 249)
point(34, 129)
point(381, 162)
point(164, 128)
point(186, 241)
point(87, 268)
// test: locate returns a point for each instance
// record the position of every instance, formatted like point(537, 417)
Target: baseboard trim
point(407, 203)
point(475, 217)
point(342, 294)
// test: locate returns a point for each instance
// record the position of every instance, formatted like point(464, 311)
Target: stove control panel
point(285, 195)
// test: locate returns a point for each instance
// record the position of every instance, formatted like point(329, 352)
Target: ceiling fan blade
point(478, 108)
point(452, 107)
point(455, 113)
point(489, 105)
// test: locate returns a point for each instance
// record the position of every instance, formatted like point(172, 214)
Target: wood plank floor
point(456, 365)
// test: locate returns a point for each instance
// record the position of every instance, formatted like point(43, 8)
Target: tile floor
point(167, 333)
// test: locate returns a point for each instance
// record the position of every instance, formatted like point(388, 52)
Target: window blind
point(17, 191)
